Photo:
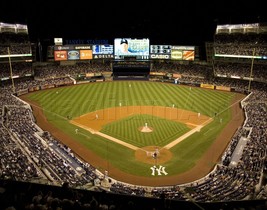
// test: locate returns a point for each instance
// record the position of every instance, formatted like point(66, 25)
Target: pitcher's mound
point(146, 129)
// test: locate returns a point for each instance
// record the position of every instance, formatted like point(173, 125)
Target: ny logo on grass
point(158, 171)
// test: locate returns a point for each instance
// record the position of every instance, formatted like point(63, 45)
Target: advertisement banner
point(60, 55)
point(175, 75)
point(83, 47)
point(177, 54)
point(160, 56)
point(86, 54)
point(89, 74)
point(63, 47)
point(223, 88)
point(157, 73)
point(73, 55)
point(188, 55)
point(208, 86)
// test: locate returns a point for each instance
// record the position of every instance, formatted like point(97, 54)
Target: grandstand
point(33, 161)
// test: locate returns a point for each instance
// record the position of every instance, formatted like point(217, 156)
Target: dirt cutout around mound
point(201, 169)
point(94, 121)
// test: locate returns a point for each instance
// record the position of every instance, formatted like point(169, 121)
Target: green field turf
point(164, 131)
point(74, 101)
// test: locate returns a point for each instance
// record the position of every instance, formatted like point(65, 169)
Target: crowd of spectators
point(241, 70)
point(11, 43)
point(242, 44)
point(55, 70)
point(18, 70)
point(29, 154)
point(35, 156)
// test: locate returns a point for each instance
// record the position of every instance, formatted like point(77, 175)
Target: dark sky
point(164, 22)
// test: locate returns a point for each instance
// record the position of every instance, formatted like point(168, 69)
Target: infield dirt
point(201, 169)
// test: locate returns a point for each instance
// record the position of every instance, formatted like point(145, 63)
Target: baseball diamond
point(121, 136)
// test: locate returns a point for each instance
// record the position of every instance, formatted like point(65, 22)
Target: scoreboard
point(103, 51)
point(170, 52)
point(160, 51)
point(124, 49)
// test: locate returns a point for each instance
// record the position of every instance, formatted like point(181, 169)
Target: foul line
point(117, 141)
point(105, 136)
point(168, 146)
point(181, 138)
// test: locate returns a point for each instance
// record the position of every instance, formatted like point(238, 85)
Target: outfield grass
point(74, 101)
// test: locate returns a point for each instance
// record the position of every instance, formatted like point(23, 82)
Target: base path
point(94, 121)
point(201, 169)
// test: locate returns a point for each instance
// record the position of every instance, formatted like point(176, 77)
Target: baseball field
point(144, 133)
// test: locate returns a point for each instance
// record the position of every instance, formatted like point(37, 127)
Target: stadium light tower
point(11, 72)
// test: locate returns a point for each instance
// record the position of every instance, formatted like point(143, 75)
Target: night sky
point(166, 22)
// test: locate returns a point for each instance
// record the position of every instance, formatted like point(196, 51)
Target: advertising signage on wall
point(60, 55)
point(188, 55)
point(183, 53)
point(72, 47)
point(73, 55)
point(86, 54)
point(73, 52)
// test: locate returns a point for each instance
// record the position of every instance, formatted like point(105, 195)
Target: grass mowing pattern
point(164, 131)
point(80, 99)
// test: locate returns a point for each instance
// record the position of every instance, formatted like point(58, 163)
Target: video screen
point(124, 47)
